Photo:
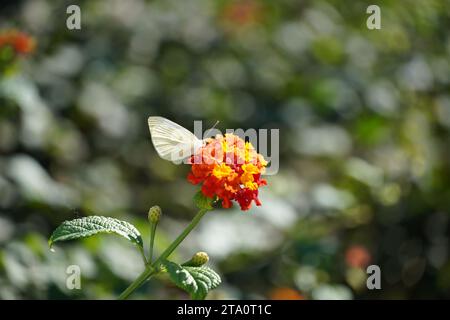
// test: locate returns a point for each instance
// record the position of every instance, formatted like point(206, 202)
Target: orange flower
point(357, 257)
point(242, 13)
point(228, 169)
point(285, 293)
point(19, 41)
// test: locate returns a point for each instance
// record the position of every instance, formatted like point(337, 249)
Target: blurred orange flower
point(357, 256)
point(230, 169)
point(242, 13)
point(285, 293)
point(19, 41)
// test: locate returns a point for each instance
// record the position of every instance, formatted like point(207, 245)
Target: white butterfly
point(172, 141)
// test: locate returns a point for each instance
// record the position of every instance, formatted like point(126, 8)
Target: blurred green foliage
point(364, 119)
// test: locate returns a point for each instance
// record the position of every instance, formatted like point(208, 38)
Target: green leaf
point(203, 202)
point(197, 281)
point(89, 226)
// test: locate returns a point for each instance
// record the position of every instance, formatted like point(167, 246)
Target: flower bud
point(197, 260)
point(154, 214)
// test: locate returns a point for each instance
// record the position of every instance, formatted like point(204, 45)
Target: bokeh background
point(364, 119)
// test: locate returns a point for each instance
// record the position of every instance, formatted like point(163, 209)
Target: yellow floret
point(222, 171)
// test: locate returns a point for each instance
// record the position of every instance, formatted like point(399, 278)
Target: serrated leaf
point(197, 281)
point(89, 226)
point(203, 202)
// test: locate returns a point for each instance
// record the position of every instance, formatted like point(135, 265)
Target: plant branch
point(152, 269)
point(152, 241)
point(143, 255)
point(148, 272)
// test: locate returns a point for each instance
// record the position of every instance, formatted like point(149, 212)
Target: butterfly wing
point(172, 141)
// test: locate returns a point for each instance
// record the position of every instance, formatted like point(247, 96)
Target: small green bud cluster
point(197, 260)
point(154, 214)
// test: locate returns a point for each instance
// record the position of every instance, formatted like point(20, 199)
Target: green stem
point(148, 272)
point(143, 255)
point(181, 237)
point(152, 241)
point(152, 269)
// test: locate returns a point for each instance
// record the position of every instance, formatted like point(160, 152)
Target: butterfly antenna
point(215, 124)
point(207, 132)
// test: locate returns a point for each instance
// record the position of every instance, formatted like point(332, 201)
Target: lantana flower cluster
point(228, 169)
